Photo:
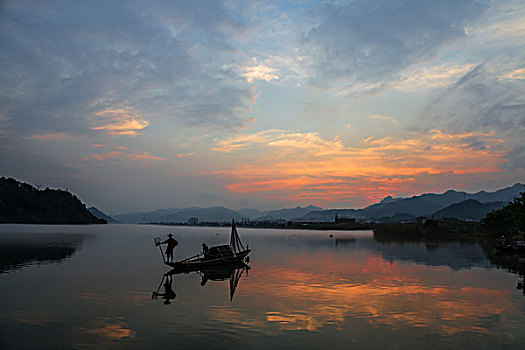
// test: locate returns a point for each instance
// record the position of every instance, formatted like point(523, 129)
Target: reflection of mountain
point(21, 250)
point(456, 255)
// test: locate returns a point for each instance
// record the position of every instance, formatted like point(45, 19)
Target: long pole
point(157, 243)
point(163, 259)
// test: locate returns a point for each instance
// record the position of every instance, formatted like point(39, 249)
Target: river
point(103, 286)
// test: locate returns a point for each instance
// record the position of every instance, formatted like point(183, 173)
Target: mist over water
point(91, 286)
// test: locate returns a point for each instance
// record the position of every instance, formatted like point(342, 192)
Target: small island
point(22, 203)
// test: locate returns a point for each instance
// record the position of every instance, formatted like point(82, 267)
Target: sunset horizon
point(136, 106)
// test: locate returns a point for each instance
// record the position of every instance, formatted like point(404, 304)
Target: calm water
point(91, 287)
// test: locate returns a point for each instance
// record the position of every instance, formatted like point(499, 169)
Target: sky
point(139, 105)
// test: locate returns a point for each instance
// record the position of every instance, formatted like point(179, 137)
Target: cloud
point(58, 136)
point(121, 121)
point(364, 45)
point(123, 155)
point(384, 117)
point(482, 100)
point(279, 138)
point(515, 74)
point(64, 61)
point(260, 72)
point(185, 155)
point(434, 77)
point(303, 167)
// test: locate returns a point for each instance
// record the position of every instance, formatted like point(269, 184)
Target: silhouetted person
point(205, 248)
point(172, 243)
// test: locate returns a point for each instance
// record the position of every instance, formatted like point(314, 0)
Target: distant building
point(421, 219)
point(193, 221)
point(339, 220)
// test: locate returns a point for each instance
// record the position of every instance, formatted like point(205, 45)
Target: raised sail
point(235, 241)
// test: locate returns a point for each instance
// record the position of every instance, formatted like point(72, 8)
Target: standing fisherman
point(172, 243)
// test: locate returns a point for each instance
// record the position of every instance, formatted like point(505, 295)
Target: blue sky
point(136, 105)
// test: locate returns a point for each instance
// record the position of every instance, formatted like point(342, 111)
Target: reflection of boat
point(232, 272)
point(217, 255)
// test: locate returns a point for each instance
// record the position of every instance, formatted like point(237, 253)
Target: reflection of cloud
point(341, 290)
point(121, 121)
point(135, 298)
point(58, 136)
point(303, 166)
point(35, 318)
point(115, 330)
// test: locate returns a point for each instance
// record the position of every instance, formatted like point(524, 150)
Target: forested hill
point(22, 203)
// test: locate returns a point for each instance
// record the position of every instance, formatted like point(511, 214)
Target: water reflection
point(230, 272)
point(305, 290)
point(19, 250)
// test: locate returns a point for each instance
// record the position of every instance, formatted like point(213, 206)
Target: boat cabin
point(221, 251)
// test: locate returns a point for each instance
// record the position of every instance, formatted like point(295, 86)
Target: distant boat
point(233, 253)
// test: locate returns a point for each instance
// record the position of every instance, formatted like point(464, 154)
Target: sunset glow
point(263, 104)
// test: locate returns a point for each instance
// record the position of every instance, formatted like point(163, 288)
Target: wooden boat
point(220, 255)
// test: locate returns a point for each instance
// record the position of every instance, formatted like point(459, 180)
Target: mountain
point(97, 213)
point(291, 213)
point(504, 195)
point(469, 209)
point(424, 205)
point(329, 215)
point(413, 206)
point(213, 214)
point(252, 213)
point(150, 216)
point(22, 203)
point(389, 209)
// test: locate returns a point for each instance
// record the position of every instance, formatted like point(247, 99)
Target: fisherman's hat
point(170, 235)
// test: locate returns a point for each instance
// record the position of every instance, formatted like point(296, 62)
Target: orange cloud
point(120, 122)
point(185, 155)
point(142, 155)
point(303, 166)
point(58, 136)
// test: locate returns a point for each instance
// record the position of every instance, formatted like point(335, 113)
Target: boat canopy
point(222, 251)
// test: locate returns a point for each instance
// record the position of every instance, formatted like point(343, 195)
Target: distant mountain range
point(469, 209)
point(97, 213)
point(429, 204)
point(450, 204)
